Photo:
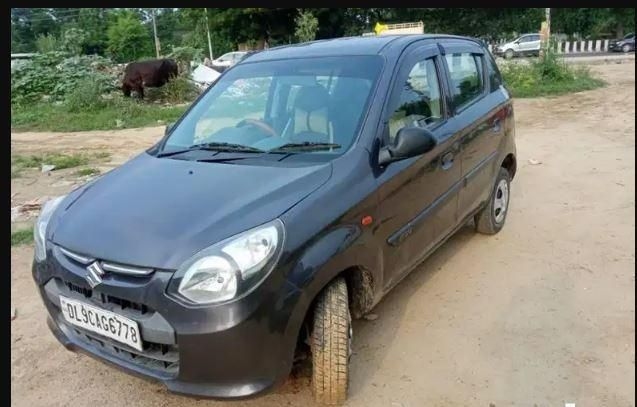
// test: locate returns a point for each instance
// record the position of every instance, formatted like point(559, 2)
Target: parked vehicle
point(228, 59)
point(626, 44)
point(298, 190)
point(525, 45)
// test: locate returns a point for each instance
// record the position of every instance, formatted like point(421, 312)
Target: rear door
point(534, 43)
point(477, 115)
point(418, 196)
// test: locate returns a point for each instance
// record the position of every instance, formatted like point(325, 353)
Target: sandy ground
point(541, 314)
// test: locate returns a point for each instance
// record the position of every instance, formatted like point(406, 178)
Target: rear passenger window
point(465, 70)
point(419, 103)
point(493, 74)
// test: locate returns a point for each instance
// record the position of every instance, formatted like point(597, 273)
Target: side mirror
point(410, 142)
point(169, 126)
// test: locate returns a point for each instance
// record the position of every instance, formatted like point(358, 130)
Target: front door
point(418, 196)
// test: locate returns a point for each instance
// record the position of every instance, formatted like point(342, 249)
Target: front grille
point(163, 359)
point(86, 292)
point(107, 299)
point(117, 268)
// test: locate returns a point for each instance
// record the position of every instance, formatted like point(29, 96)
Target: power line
point(52, 18)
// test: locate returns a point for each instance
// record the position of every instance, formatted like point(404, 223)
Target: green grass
point(21, 237)
point(61, 161)
point(549, 77)
point(84, 172)
point(50, 117)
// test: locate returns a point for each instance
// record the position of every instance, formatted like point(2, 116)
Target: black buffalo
point(152, 73)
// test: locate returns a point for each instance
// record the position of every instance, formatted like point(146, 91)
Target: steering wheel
point(259, 124)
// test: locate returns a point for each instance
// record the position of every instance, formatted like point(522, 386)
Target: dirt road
point(541, 314)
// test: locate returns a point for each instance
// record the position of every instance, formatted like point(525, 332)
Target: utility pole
point(157, 46)
point(546, 32)
point(208, 32)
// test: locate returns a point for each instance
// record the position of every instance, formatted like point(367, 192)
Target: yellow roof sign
point(378, 28)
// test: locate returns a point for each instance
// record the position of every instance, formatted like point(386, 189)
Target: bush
point(47, 43)
point(54, 75)
point(22, 237)
point(87, 95)
point(73, 40)
point(549, 75)
point(183, 56)
point(178, 90)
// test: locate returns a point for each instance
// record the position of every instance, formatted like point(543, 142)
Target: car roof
point(372, 45)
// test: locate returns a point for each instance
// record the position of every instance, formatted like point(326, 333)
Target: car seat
point(310, 121)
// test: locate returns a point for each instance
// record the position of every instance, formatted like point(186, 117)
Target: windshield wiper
point(305, 146)
point(214, 146)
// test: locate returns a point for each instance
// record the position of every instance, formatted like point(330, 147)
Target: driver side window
point(243, 99)
point(420, 100)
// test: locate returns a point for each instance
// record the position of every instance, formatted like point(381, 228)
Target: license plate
point(103, 322)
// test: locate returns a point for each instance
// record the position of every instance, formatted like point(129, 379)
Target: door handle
point(447, 161)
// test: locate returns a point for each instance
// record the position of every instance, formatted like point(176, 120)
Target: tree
point(94, 22)
point(306, 26)
point(73, 40)
point(27, 24)
point(128, 39)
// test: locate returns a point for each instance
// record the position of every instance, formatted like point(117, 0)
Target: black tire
point(626, 48)
point(509, 53)
point(489, 220)
point(331, 344)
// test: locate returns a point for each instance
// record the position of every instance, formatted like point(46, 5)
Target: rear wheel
point(508, 54)
point(331, 344)
point(491, 218)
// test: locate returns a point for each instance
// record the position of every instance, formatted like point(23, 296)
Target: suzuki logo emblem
point(94, 274)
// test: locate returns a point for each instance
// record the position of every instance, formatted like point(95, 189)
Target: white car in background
point(227, 60)
point(526, 44)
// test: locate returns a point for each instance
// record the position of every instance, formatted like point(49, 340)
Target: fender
point(343, 247)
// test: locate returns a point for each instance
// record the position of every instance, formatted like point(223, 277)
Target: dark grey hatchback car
point(290, 197)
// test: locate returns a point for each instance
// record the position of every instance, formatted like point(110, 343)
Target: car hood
point(157, 212)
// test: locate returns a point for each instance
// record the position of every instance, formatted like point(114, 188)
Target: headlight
point(39, 231)
point(230, 268)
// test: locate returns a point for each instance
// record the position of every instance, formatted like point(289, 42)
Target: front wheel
point(331, 344)
point(508, 54)
point(491, 218)
point(626, 48)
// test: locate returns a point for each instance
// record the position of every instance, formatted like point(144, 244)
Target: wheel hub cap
point(500, 201)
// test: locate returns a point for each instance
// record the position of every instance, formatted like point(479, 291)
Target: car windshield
point(629, 36)
point(304, 106)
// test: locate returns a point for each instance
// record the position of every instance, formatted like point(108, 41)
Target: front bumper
point(620, 47)
point(233, 350)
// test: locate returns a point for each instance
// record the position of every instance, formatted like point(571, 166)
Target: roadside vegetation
point(72, 84)
point(58, 92)
point(114, 115)
point(22, 237)
point(19, 163)
point(87, 172)
point(547, 76)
